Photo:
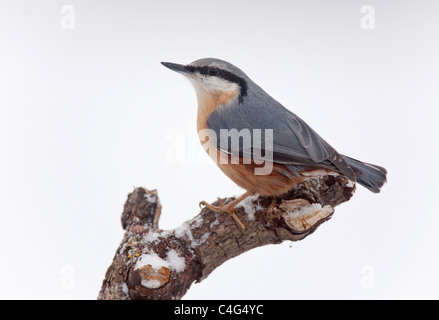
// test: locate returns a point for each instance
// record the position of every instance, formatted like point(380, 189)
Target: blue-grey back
point(294, 141)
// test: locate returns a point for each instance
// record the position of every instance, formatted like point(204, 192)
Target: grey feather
point(369, 175)
point(294, 141)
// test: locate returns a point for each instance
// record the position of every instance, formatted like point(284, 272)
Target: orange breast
point(273, 184)
point(278, 182)
point(208, 102)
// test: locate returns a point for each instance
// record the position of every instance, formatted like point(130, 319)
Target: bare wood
point(151, 263)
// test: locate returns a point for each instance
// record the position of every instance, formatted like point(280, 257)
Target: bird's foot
point(217, 209)
point(227, 208)
point(273, 203)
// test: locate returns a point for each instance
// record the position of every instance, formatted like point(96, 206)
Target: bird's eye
point(213, 72)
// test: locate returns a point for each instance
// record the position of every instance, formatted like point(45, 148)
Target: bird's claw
point(202, 204)
point(223, 208)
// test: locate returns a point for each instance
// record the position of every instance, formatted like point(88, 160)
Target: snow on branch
point(151, 263)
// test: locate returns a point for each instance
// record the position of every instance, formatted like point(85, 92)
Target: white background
point(87, 114)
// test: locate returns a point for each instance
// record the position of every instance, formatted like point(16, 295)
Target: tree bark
point(151, 263)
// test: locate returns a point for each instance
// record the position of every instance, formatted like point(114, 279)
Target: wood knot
point(154, 278)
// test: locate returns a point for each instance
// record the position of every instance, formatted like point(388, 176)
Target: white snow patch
point(350, 184)
point(151, 236)
point(151, 284)
point(249, 206)
point(176, 262)
point(152, 259)
point(122, 249)
point(184, 230)
point(150, 198)
point(125, 288)
point(320, 172)
point(214, 223)
point(173, 261)
point(198, 221)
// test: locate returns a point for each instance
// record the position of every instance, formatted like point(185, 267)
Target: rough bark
point(151, 263)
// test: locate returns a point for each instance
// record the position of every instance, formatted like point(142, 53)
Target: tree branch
point(151, 263)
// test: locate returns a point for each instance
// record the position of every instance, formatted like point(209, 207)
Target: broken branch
point(151, 263)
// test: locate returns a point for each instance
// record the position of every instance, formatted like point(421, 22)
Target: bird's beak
point(177, 68)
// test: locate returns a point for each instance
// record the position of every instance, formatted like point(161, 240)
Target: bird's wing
point(294, 141)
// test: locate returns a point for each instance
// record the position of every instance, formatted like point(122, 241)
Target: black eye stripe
point(224, 74)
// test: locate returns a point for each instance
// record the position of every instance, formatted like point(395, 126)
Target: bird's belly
point(273, 184)
point(277, 182)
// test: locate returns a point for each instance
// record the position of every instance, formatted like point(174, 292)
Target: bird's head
point(213, 77)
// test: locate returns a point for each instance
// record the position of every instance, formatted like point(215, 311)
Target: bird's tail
point(369, 175)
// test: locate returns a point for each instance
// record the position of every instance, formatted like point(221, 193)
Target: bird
point(229, 100)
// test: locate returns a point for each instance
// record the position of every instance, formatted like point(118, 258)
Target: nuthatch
point(229, 100)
